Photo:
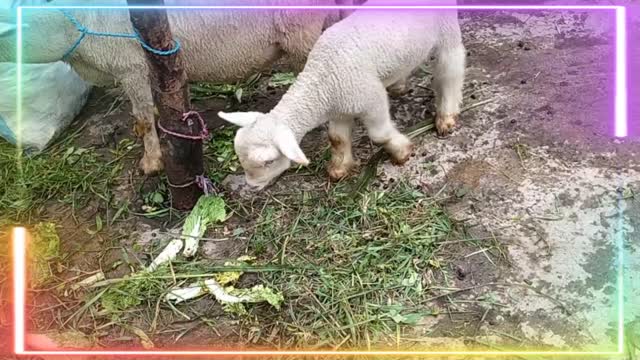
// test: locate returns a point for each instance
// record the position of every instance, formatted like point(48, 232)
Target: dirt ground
point(532, 170)
point(541, 171)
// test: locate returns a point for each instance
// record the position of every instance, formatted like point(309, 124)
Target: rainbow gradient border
point(19, 235)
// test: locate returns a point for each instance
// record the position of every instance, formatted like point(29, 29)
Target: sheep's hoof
point(151, 165)
point(141, 128)
point(445, 123)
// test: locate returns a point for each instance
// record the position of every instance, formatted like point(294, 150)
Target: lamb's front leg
point(377, 120)
point(341, 163)
point(448, 83)
point(138, 90)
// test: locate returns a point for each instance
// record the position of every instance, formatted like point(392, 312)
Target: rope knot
point(203, 182)
point(204, 132)
point(187, 117)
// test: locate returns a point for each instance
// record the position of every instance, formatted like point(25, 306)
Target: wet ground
point(540, 170)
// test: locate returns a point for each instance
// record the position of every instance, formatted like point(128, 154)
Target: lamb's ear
point(241, 119)
point(286, 142)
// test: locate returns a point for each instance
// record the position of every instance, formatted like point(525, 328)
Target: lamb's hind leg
point(381, 130)
point(448, 83)
point(139, 92)
point(401, 86)
point(341, 148)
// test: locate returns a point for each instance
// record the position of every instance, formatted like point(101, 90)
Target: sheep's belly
point(228, 65)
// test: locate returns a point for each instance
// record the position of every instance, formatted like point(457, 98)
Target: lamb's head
point(265, 146)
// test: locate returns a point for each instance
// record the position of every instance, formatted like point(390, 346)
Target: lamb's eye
point(270, 162)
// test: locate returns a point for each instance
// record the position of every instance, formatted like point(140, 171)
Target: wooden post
point(182, 158)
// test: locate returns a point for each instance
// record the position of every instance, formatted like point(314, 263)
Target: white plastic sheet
point(53, 94)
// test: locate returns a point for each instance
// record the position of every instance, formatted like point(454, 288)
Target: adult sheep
point(217, 46)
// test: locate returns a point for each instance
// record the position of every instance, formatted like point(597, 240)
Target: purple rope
point(204, 134)
point(203, 183)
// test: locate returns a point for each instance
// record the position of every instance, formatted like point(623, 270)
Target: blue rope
point(84, 32)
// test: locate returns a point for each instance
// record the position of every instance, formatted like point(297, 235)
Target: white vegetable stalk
point(208, 209)
point(168, 254)
point(218, 291)
point(191, 241)
point(89, 281)
point(179, 295)
point(219, 287)
point(198, 289)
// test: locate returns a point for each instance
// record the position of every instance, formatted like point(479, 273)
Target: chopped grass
point(123, 299)
point(367, 256)
point(351, 269)
point(220, 154)
point(282, 79)
point(44, 249)
point(239, 91)
point(65, 173)
point(137, 291)
point(64, 177)
point(157, 199)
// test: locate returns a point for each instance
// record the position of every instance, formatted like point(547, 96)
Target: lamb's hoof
point(402, 157)
point(445, 123)
point(398, 90)
point(337, 173)
point(151, 166)
point(401, 152)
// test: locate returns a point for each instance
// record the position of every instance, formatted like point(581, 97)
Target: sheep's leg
point(447, 84)
point(296, 56)
point(345, 13)
point(341, 149)
point(381, 130)
point(139, 93)
point(298, 43)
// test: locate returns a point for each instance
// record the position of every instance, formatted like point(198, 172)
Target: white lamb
point(345, 78)
point(217, 46)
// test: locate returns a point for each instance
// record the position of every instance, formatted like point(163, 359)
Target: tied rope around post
point(204, 132)
point(202, 181)
point(84, 32)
